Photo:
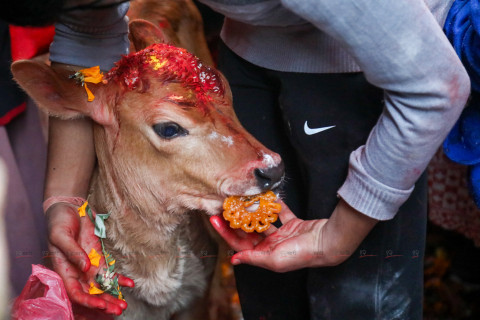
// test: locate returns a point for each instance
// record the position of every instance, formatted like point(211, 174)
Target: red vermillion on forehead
point(168, 64)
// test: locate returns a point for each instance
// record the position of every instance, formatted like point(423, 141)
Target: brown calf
point(169, 146)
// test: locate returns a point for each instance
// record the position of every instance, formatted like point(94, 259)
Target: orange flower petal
point(92, 75)
point(94, 257)
point(90, 96)
point(81, 210)
point(94, 290)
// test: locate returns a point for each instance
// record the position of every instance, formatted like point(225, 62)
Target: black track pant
point(384, 278)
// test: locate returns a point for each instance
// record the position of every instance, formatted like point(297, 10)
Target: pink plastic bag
point(43, 298)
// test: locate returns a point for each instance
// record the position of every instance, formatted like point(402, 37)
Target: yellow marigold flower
point(111, 262)
point(81, 210)
point(94, 290)
point(90, 96)
point(94, 257)
point(92, 75)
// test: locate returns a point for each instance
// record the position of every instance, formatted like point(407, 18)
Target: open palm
point(70, 237)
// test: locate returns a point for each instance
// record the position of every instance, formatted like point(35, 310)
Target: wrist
point(50, 201)
point(343, 232)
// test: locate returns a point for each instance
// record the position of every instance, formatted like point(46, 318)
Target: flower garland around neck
point(108, 281)
point(92, 75)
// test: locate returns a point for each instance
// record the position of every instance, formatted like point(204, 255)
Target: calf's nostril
point(268, 177)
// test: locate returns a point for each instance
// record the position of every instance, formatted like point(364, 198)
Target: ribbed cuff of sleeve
point(91, 37)
point(368, 195)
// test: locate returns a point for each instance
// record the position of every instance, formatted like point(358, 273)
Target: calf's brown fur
point(169, 146)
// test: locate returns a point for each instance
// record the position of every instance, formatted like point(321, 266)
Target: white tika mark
point(268, 160)
point(310, 131)
point(227, 140)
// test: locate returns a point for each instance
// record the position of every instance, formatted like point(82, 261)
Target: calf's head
point(165, 134)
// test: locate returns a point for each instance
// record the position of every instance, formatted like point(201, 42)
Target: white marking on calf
point(268, 161)
point(214, 135)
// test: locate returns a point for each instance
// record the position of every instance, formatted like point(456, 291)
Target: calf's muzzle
point(268, 178)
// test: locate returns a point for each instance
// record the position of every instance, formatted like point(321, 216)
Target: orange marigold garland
point(108, 281)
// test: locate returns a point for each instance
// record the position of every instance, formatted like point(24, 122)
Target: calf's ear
point(143, 33)
point(56, 93)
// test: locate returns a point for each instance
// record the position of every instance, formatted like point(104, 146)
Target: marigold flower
point(82, 209)
point(94, 257)
point(91, 75)
point(120, 295)
point(90, 96)
point(94, 290)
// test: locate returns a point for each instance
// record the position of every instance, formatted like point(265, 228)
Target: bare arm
point(71, 157)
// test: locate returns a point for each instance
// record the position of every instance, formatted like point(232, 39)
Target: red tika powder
point(166, 63)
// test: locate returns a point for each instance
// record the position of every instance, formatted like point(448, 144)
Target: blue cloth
point(462, 28)
point(462, 145)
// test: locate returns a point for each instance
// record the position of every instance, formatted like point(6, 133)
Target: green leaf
point(100, 230)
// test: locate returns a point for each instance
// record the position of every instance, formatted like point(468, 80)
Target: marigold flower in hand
point(94, 290)
point(94, 257)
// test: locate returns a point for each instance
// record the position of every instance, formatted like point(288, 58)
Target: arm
point(401, 49)
point(71, 157)
point(83, 38)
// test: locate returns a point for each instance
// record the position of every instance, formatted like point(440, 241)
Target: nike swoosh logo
point(310, 131)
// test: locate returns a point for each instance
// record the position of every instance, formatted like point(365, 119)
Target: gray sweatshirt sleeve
point(401, 49)
point(93, 36)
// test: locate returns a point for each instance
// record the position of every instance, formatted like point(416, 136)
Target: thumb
point(252, 257)
point(70, 249)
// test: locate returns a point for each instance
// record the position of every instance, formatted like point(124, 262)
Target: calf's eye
point(169, 130)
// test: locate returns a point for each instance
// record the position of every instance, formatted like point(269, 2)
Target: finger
point(77, 295)
point(285, 214)
point(125, 281)
point(269, 260)
point(233, 239)
point(66, 244)
point(105, 302)
point(252, 257)
point(114, 305)
point(270, 230)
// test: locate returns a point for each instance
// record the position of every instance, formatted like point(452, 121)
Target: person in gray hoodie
point(356, 96)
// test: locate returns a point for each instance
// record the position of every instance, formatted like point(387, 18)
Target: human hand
point(298, 243)
point(69, 237)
